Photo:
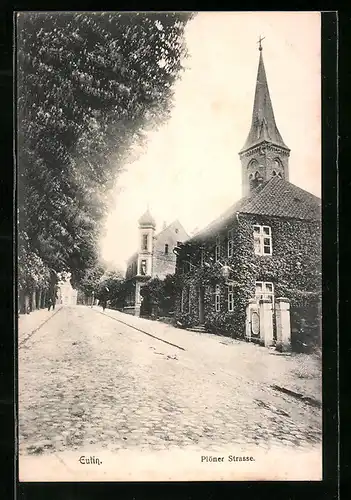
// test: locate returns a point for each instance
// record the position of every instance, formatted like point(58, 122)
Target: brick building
point(154, 258)
point(269, 242)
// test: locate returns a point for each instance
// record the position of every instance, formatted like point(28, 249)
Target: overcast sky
point(191, 169)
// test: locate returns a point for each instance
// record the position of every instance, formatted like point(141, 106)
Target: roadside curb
point(307, 399)
point(142, 331)
point(29, 334)
point(311, 401)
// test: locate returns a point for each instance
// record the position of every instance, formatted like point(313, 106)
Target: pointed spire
point(263, 126)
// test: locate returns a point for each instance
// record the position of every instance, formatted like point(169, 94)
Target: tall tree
point(88, 83)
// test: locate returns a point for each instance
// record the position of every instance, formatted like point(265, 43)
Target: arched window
point(274, 173)
point(253, 164)
point(280, 175)
point(277, 163)
point(254, 180)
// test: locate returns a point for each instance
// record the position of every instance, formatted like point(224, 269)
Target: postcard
point(169, 246)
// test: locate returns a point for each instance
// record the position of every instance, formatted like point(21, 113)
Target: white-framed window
point(264, 290)
point(230, 242)
point(217, 249)
point(230, 298)
point(217, 298)
point(262, 240)
point(182, 300)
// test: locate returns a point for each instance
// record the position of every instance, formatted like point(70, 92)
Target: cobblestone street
point(89, 381)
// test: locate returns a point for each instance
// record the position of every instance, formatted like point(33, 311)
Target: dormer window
point(262, 240)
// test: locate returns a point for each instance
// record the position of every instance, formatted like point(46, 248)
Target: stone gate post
point(251, 305)
point(266, 323)
point(283, 324)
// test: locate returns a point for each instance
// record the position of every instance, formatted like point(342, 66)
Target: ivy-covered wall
point(294, 268)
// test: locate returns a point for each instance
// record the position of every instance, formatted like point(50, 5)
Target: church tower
point(264, 154)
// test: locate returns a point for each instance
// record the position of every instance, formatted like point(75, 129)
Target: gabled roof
point(175, 223)
point(275, 198)
point(263, 126)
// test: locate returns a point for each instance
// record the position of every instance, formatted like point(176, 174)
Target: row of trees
point(89, 84)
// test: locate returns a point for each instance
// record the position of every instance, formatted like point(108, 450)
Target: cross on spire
point(259, 42)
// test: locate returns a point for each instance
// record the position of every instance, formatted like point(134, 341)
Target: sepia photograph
point(169, 270)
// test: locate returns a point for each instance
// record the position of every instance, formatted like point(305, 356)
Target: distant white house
point(67, 295)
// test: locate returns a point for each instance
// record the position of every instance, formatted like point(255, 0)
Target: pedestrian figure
point(103, 300)
point(52, 300)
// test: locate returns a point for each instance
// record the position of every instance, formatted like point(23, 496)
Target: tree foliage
point(91, 279)
point(88, 84)
point(159, 295)
point(112, 288)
